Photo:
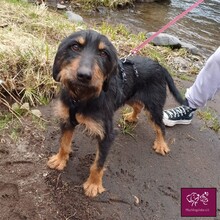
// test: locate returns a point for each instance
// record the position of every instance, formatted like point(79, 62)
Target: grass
point(27, 51)
point(10, 124)
point(126, 127)
point(4, 121)
point(186, 77)
point(88, 4)
point(210, 118)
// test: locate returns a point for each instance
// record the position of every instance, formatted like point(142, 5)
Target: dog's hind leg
point(160, 146)
point(133, 116)
point(59, 160)
point(93, 185)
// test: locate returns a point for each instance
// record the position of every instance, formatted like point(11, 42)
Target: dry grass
point(28, 40)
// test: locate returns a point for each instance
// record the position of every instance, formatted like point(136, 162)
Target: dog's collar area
point(122, 70)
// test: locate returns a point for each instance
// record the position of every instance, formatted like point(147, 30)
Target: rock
point(192, 49)
point(61, 6)
point(165, 40)
point(25, 106)
point(74, 17)
point(102, 10)
point(36, 112)
point(181, 61)
point(15, 107)
point(181, 64)
point(168, 40)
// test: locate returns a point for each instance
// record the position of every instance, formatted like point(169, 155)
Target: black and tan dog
point(95, 83)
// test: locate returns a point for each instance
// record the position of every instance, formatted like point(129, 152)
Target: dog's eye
point(103, 53)
point(75, 47)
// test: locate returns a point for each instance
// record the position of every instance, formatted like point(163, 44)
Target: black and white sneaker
point(180, 115)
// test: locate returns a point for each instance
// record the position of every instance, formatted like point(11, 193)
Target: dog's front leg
point(59, 160)
point(93, 185)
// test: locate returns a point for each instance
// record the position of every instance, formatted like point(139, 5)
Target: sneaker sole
point(170, 123)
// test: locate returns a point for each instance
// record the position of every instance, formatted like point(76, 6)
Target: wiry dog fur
point(94, 86)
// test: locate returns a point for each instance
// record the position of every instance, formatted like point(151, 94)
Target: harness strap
point(72, 112)
point(122, 70)
point(125, 60)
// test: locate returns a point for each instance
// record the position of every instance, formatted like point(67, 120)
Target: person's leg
point(204, 88)
point(206, 84)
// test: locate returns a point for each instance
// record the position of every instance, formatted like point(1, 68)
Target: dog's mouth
point(82, 91)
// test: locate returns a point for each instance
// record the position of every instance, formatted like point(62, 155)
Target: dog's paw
point(129, 117)
point(92, 189)
point(57, 162)
point(161, 148)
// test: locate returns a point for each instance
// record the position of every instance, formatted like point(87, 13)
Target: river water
point(201, 27)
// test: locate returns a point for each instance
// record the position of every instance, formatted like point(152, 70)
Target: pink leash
point(135, 50)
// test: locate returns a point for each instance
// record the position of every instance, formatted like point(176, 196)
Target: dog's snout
point(84, 74)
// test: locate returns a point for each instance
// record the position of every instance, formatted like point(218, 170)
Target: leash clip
point(124, 59)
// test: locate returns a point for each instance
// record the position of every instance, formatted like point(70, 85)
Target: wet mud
point(140, 183)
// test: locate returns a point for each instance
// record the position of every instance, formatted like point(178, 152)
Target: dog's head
point(84, 64)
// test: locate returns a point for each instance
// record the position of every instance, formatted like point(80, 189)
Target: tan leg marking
point(91, 126)
point(93, 184)
point(132, 116)
point(61, 110)
point(58, 161)
point(160, 146)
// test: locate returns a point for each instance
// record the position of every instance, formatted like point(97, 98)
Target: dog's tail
point(175, 92)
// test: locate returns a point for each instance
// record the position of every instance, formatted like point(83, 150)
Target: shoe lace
point(178, 111)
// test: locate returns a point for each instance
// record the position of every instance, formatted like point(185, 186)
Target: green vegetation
point(210, 118)
point(126, 127)
point(108, 3)
point(28, 44)
point(4, 120)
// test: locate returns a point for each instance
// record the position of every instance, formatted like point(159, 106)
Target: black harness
point(122, 70)
point(74, 106)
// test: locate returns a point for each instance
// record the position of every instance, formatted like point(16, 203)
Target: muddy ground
point(140, 183)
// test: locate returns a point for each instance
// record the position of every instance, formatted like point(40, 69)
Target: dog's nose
point(84, 74)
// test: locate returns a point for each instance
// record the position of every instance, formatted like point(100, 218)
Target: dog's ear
point(113, 67)
point(60, 58)
point(109, 76)
point(56, 69)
